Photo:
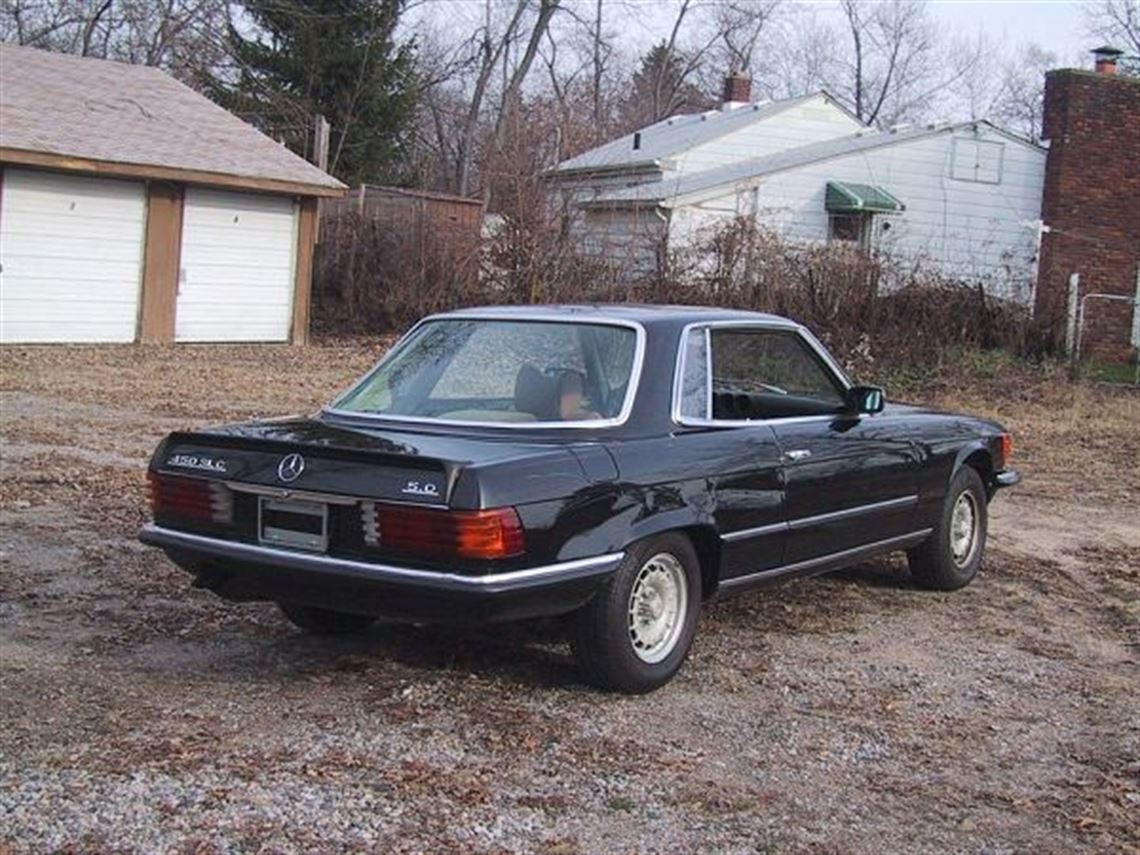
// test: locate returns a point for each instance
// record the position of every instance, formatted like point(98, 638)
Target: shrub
point(867, 309)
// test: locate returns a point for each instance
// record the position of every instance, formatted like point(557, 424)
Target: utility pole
point(321, 159)
point(321, 142)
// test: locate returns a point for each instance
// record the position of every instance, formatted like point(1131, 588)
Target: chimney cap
point(1107, 52)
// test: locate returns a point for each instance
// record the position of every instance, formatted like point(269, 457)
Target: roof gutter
point(619, 204)
point(89, 166)
point(640, 167)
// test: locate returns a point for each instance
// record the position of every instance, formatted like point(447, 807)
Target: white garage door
point(236, 277)
point(71, 252)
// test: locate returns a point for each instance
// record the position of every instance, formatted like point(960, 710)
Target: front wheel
point(325, 621)
point(951, 556)
point(634, 635)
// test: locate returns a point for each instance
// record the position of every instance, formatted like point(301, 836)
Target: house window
point(850, 228)
point(977, 160)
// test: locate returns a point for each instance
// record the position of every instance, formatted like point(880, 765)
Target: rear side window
point(694, 377)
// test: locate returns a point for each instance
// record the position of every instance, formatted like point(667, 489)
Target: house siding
point(963, 229)
point(811, 121)
point(627, 241)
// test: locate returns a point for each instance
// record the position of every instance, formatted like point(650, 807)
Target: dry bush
point(369, 279)
point(865, 307)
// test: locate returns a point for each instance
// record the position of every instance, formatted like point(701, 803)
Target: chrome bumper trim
point(1007, 478)
point(508, 580)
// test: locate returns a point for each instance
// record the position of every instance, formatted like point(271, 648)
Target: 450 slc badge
point(195, 461)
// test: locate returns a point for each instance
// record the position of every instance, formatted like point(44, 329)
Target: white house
point(964, 198)
point(134, 209)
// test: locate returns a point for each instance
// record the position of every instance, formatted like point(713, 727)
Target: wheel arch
point(977, 456)
point(699, 531)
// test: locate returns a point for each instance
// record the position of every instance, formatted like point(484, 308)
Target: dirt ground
point(846, 714)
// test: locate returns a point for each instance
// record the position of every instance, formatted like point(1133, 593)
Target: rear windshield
point(501, 372)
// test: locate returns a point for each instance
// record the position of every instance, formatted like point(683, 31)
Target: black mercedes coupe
point(616, 465)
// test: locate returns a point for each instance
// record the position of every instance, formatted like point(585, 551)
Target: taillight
point(496, 533)
point(1006, 448)
point(190, 498)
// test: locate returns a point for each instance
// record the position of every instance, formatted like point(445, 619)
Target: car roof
point(643, 313)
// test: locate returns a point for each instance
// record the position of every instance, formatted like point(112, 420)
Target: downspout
point(663, 243)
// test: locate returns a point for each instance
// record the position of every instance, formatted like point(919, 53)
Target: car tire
point(635, 634)
point(949, 559)
point(325, 621)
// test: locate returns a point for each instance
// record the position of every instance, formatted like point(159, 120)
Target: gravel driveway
point(846, 714)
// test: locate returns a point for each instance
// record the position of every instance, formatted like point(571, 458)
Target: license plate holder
point(293, 523)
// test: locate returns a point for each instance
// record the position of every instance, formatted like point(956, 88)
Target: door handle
point(797, 454)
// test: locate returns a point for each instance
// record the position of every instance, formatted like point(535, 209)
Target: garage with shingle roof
point(133, 208)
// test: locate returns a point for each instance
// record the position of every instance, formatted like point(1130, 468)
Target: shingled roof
point(671, 192)
point(677, 134)
point(113, 118)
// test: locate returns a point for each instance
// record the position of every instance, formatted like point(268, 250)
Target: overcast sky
point(1056, 25)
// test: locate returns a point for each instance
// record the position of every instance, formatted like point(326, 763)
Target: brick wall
point(1091, 204)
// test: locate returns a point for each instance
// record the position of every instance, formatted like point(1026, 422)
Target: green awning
point(846, 198)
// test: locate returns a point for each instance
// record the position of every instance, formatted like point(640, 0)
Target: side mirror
point(865, 400)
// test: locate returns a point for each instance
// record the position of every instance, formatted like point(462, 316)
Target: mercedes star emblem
point(290, 467)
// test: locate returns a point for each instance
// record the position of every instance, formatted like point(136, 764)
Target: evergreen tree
point(661, 88)
point(337, 58)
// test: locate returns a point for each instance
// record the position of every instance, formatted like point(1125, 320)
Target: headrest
point(536, 394)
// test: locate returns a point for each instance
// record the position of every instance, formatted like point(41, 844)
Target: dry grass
point(201, 382)
point(1081, 436)
point(845, 714)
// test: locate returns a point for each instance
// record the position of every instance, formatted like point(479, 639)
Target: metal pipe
point(1118, 298)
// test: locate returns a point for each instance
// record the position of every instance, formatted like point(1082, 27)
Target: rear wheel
point(951, 556)
point(325, 621)
point(634, 635)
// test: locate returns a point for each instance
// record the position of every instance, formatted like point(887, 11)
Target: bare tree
point(1010, 91)
point(599, 57)
point(675, 71)
point(181, 36)
point(887, 40)
point(897, 65)
point(51, 25)
point(527, 19)
point(1118, 23)
point(739, 25)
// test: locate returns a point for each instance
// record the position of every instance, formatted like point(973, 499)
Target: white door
point(236, 269)
point(71, 252)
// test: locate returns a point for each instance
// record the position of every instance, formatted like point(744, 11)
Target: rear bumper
point(247, 571)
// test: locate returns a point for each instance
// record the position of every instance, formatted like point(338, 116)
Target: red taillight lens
point(1006, 448)
point(496, 533)
point(191, 498)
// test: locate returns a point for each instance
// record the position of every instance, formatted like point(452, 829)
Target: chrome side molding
point(823, 563)
point(821, 519)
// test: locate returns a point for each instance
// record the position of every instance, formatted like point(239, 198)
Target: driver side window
point(766, 373)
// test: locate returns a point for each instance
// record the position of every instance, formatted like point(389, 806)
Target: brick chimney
point(1106, 57)
point(1092, 122)
point(737, 88)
